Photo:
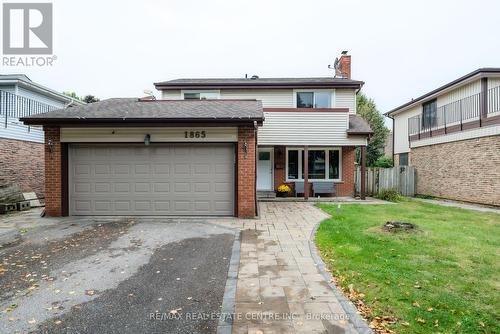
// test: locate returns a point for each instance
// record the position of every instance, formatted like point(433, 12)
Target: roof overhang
point(251, 85)
point(477, 74)
point(141, 121)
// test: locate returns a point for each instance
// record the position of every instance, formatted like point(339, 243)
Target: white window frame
point(331, 91)
point(213, 91)
point(327, 163)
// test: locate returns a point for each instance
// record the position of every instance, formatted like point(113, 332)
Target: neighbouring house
point(21, 146)
point(205, 148)
point(452, 136)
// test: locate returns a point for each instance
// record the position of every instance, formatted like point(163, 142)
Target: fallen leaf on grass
point(482, 324)
point(422, 321)
point(32, 321)
point(430, 309)
point(436, 323)
point(405, 323)
point(90, 292)
point(57, 322)
point(416, 304)
point(13, 319)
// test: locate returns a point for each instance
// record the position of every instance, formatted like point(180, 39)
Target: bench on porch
point(323, 188)
point(299, 187)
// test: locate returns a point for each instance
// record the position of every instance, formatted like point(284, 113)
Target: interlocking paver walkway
point(280, 288)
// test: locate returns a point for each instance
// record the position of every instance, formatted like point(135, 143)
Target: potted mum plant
point(283, 190)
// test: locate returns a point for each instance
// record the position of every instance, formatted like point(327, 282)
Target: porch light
point(147, 139)
point(50, 145)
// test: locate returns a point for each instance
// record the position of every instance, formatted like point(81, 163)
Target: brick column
point(346, 188)
point(53, 189)
point(246, 172)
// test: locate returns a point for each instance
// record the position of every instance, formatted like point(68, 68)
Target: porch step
point(266, 194)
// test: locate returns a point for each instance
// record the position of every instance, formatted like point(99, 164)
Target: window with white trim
point(201, 95)
point(314, 99)
point(323, 164)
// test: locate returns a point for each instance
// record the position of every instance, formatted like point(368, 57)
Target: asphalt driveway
point(115, 276)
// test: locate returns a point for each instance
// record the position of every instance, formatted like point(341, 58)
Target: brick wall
point(53, 190)
point(465, 170)
point(246, 172)
point(21, 163)
point(346, 188)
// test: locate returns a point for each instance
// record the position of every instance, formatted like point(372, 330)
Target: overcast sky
point(401, 49)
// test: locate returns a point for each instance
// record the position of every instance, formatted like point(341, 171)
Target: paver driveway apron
point(280, 288)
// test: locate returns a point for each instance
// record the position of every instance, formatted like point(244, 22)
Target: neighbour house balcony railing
point(468, 113)
point(13, 106)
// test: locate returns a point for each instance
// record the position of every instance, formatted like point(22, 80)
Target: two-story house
point(452, 136)
point(21, 146)
point(205, 147)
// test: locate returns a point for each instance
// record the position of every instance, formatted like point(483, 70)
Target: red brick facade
point(344, 188)
point(53, 186)
point(246, 172)
point(21, 163)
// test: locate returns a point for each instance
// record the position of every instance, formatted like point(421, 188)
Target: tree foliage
point(367, 109)
point(90, 99)
point(73, 95)
point(87, 98)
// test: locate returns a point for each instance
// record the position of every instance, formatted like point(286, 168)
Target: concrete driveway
point(88, 275)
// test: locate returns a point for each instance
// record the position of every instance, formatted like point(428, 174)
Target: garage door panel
point(180, 179)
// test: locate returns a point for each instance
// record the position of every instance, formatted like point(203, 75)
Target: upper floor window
point(314, 99)
point(429, 114)
point(201, 95)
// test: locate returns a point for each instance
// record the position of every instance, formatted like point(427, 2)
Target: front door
point(265, 169)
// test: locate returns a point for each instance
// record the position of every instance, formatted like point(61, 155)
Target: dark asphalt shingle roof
point(131, 109)
point(265, 82)
point(358, 125)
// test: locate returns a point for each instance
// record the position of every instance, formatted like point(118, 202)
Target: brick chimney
point(345, 65)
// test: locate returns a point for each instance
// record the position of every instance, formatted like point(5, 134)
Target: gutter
point(158, 121)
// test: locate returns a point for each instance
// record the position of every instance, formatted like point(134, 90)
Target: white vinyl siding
point(42, 98)
point(457, 136)
point(171, 95)
point(271, 98)
point(401, 144)
point(493, 82)
point(19, 131)
point(346, 98)
point(459, 93)
point(306, 128)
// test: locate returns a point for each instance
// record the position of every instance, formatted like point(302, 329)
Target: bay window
point(323, 164)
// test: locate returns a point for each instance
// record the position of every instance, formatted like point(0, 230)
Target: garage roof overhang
point(130, 112)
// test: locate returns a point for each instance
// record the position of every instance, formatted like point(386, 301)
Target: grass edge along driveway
point(443, 278)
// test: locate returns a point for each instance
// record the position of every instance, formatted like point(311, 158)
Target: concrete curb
point(225, 325)
point(355, 318)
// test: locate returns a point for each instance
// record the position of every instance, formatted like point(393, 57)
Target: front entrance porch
point(307, 165)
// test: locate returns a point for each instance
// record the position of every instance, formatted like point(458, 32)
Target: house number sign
point(195, 134)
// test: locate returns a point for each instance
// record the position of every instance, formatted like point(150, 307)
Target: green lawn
point(447, 271)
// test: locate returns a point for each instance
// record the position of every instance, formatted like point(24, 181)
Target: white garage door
point(173, 179)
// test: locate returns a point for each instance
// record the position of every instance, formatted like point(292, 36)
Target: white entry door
point(265, 169)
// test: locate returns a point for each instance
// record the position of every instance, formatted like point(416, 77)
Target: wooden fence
point(401, 178)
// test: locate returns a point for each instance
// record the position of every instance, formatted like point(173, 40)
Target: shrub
point(390, 195)
point(383, 162)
